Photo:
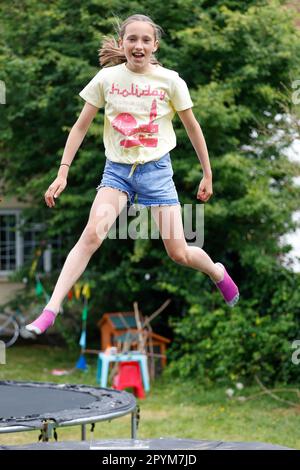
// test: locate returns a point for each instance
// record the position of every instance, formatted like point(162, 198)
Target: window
point(17, 246)
point(10, 258)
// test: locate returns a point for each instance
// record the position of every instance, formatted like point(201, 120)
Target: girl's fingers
point(53, 192)
point(49, 196)
point(203, 195)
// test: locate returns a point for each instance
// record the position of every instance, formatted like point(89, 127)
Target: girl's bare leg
point(106, 207)
point(169, 222)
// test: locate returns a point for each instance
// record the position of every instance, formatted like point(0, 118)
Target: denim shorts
point(150, 183)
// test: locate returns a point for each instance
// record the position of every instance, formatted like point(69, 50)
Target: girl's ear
point(156, 46)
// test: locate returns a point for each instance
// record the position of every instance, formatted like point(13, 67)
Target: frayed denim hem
point(103, 185)
point(171, 202)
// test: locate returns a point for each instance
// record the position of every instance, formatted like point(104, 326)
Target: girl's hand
point(54, 190)
point(205, 189)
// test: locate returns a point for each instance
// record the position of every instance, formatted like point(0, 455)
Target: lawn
point(171, 409)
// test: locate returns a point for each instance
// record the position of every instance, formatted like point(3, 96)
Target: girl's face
point(138, 44)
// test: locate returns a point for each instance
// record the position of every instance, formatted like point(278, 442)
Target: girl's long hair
point(111, 54)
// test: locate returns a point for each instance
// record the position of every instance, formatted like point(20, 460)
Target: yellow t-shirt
point(139, 109)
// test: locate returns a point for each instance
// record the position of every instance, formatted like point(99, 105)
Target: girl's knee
point(178, 256)
point(91, 238)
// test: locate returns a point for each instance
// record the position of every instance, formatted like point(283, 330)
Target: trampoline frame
point(48, 425)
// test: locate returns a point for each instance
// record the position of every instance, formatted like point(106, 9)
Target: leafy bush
point(216, 343)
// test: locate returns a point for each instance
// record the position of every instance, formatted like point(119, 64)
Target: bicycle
point(12, 323)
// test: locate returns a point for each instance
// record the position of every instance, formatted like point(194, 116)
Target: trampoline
point(45, 406)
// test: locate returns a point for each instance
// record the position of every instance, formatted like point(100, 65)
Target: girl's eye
point(132, 39)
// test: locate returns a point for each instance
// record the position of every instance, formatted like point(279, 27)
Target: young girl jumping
point(140, 98)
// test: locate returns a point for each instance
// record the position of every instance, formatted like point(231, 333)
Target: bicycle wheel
point(9, 329)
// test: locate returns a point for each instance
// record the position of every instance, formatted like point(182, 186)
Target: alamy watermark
point(2, 92)
point(2, 353)
point(296, 93)
point(296, 353)
point(169, 222)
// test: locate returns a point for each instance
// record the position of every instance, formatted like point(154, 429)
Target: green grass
point(171, 409)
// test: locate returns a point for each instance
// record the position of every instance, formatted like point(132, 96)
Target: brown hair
point(111, 54)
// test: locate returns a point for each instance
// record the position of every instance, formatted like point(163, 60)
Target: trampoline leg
point(46, 431)
point(135, 417)
point(83, 432)
point(133, 425)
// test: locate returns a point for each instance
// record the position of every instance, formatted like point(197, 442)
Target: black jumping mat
point(29, 403)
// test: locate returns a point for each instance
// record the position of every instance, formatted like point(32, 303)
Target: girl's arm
point(76, 136)
point(73, 143)
point(196, 137)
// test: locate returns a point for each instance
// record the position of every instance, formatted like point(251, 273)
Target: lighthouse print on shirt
point(142, 134)
point(139, 109)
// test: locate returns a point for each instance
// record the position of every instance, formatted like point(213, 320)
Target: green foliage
point(239, 60)
point(255, 338)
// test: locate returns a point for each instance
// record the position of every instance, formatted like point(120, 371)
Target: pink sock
point(42, 323)
point(228, 288)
